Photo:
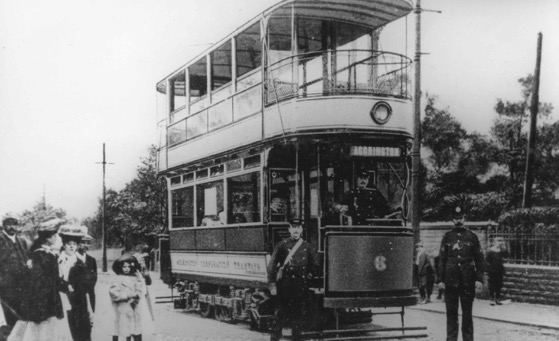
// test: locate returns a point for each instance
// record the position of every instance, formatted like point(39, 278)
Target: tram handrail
point(388, 77)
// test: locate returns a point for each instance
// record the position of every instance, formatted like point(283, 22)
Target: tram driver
point(363, 203)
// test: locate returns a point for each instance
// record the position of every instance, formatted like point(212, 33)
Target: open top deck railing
point(338, 72)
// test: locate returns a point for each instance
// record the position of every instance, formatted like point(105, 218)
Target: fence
point(536, 244)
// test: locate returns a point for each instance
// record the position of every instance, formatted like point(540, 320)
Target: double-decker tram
point(299, 113)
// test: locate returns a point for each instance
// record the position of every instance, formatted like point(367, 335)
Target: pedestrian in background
point(13, 270)
point(461, 275)
point(496, 269)
point(90, 267)
point(292, 265)
point(425, 270)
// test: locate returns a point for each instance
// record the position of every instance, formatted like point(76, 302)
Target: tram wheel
point(206, 309)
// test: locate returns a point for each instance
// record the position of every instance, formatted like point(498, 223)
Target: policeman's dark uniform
point(293, 287)
point(461, 265)
point(365, 203)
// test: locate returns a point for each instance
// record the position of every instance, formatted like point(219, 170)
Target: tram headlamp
point(381, 112)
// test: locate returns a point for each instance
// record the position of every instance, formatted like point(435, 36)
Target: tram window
point(175, 180)
point(188, 177)
point(234, 165)
point(182, 207)
point(252, 161)
point(209, 203)
point(244, 198)
point(279, 39)
point(248, 50)
point(352, 37)
point(202, 174)
point(177, 98)
point(216, 170)
point(310, 35)
point(198, 78)
point(221, 65)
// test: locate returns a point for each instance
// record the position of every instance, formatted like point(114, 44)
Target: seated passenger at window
point(363, 202)
point(278, 208)
point(211, 220)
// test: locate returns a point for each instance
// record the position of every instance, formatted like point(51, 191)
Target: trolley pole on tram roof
point(416, 151)
point(529, 175)
point(103, 229)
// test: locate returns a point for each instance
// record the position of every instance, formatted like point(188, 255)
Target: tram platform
point(527, 314)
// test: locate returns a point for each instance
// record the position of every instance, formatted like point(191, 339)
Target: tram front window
point(365, 190)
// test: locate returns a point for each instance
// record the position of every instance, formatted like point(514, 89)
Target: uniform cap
point(362, 174)
point(457, 212)
point(296, 222)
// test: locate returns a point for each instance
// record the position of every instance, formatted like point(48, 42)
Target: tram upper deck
point(301, 67)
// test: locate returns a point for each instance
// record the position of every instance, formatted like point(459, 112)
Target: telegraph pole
point(103, 229)
point(529, 176)
point(416, 151)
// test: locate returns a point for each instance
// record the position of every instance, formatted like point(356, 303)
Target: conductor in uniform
point(363, 203)
point(298, 261)
point(461, 275)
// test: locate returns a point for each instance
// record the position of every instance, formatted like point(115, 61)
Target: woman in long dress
point(43, 315)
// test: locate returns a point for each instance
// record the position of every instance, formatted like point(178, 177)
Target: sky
point(75, 74)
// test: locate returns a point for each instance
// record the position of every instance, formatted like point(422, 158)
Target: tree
point(509, 135)
point(30, 219)
point(136, 211)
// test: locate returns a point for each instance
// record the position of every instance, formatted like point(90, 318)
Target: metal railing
point(536, 244)
point(339, 72)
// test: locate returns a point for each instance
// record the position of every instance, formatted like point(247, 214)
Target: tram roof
point(371, 13)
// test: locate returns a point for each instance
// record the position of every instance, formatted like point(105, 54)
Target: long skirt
point(52, 329)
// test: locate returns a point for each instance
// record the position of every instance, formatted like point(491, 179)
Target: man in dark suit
point(363, 202)
point(299, 262)
point(461, 275)
point(90, 265)
point(425, 273)
point(13, 268)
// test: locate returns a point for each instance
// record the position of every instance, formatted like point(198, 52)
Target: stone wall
point(522, 283)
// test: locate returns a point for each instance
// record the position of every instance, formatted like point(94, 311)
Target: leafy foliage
point(135, 212)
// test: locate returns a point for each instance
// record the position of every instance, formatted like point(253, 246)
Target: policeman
point(363, 203)
point(461, 275)
point(298, 261)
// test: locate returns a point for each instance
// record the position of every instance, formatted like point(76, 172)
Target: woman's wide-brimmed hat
point(72, 231)
point(50, 225)
point(126, 258)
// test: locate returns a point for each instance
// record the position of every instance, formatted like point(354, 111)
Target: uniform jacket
point(44, 285)
point(13, 269)
point(365, 204)
point(297, 272)
point(461, 259)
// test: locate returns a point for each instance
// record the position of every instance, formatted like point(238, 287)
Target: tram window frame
point(234, 165)
point(203, 217)
point(189, 177)
point(180, 208)
point(173, 81)
point(252, 161)
point(198, 69)
point(253, 49)
point(202, 174)
point(252, 195)
point(226, 50)
point(217, 171)
point(175, 181)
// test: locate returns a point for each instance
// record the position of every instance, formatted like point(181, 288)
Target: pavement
point(527, 314)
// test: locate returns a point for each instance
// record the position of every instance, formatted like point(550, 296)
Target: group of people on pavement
point(47, 290)
point(33, 278)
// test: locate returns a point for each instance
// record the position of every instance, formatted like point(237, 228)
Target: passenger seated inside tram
point(278, 208)
point(362, 203)
point(211, 220)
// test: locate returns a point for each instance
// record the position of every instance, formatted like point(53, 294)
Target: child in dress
point(126, 293)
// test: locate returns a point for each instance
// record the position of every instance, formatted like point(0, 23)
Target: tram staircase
point(256, 308)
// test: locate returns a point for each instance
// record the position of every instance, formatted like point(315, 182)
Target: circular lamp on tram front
point(381, 112)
